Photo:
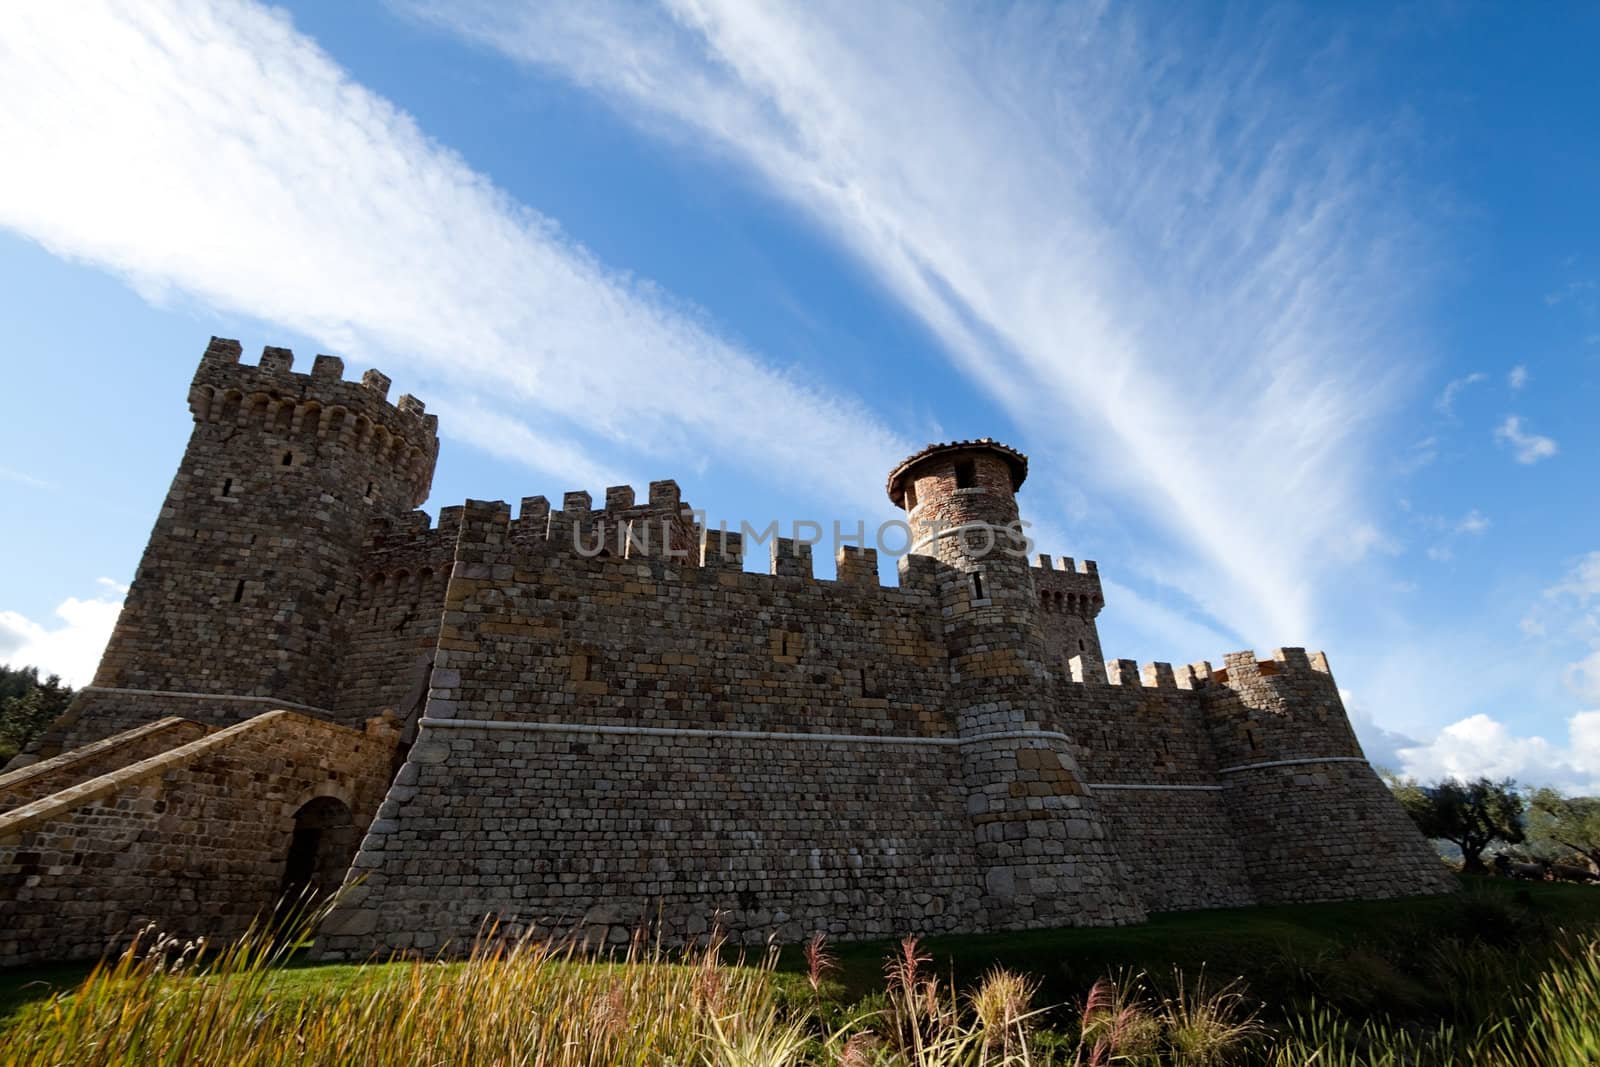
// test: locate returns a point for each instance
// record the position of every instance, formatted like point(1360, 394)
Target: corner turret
point(1046, 856)
point(244, 596)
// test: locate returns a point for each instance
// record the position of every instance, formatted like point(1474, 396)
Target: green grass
point(1356, 953)
point(1424, 978)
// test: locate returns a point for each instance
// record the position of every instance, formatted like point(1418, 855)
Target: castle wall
point(537, 633)
point(1144, 747)
point(1178, 846)
point(1313, 820)
point(194, 840)
point(608, 737)
point(612, 832)
point(394, 625)
point(1328, 831)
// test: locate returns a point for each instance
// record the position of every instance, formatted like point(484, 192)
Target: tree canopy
point(1563, 827)
point(1471, 815)
point(27, 706)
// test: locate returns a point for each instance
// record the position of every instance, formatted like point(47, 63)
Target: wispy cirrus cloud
point(1446, 404)
point(1165, 264)
point(211, 149)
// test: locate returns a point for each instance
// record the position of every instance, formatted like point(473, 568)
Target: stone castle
point(596, 720)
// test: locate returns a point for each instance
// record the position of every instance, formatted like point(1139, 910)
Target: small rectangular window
point(977, 586)
point(966, 474)
point(238, 591)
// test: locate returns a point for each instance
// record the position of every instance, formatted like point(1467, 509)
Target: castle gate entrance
point(324, 842)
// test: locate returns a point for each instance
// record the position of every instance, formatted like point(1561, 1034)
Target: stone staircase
point(39, 780)
point(173, 823)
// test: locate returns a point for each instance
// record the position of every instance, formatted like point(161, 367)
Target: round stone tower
point(1048, 860)
point(242, 599)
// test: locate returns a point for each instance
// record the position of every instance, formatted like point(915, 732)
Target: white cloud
point(211, 149)
point(1581, 582)
point(1527, 447)
point(511, 439)
point(1584, 677)
point(1188, 295)
point(1518, 376)
point(1480, 745)
point(1441, 553)
point(1473, 522)
point(71, 645)
point(1447, 399)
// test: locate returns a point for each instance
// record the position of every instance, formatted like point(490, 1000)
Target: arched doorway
point(324, 842)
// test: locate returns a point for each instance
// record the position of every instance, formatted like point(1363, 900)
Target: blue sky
point(1296, 310)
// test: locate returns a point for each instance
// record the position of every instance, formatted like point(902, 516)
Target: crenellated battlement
point(662, 526)
point(1286, 707)
point(855, 565)
point(489, 535)
point(952, 754)
point(320, 406)
point(1065, 587)
point(790, 558)
point(1243, 671)
point(1243, 667)
point(407, 547)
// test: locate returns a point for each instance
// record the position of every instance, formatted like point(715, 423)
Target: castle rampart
point(607, 723)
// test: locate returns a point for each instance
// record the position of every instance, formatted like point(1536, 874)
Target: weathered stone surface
point(38, 780)
point(194, 840)
point(612, 725)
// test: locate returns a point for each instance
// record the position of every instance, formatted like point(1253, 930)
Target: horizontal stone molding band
point(1292, 763)
point(172, 694)
point(952, 531)
point(1175, 788)
point(756, 735)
